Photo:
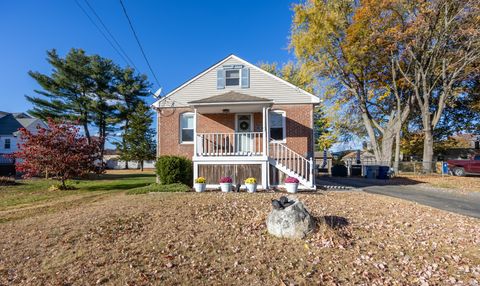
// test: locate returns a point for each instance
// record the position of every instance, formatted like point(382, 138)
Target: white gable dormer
point(231, 76)
point(236, 74)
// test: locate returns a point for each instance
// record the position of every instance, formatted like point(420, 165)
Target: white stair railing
point(292, 161)
point(230, 144)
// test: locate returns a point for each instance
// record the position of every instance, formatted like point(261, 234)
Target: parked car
point(465, 167)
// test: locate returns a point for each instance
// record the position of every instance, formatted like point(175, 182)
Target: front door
point(243, 136)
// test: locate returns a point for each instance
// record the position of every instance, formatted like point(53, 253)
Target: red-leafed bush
point(59, 151)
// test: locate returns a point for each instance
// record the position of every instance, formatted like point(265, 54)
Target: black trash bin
point(383, 172)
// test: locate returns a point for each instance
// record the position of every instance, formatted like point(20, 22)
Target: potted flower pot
point(291, 184)
point(251, 184)
point(200, 184)
point(226, 184)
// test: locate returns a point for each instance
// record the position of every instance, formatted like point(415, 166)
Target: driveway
point(465, 204)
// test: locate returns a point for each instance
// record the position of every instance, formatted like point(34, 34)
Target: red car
point(465, 167)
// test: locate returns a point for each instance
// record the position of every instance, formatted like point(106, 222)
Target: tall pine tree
point(138, 143)
point(66, 92)
point(131, 88)
point(90, 90)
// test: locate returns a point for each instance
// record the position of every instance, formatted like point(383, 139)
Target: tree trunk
point(371, 135)
point(427, 150)
point(123, 139)
point(141, 165)
point(387, 148)
point(396, 164)
point(87, 132)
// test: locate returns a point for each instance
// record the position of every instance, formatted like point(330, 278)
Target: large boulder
point(289, 219)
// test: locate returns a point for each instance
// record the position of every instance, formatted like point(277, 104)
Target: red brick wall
point(169, 133)
point(216, 123)
point(298, 123)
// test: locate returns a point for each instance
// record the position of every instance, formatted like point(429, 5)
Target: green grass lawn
point(31, 192)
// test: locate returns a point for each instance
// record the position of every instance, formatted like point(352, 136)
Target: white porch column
point(195, 149)
point(195, 171)
point(264, 134)
point(265, 175)
point(267, 129)
point(266, 147)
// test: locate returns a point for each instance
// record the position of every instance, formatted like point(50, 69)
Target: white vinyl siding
point(8, 144)
point(260, 85)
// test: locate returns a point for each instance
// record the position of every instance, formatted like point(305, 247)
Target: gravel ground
point(215, 238)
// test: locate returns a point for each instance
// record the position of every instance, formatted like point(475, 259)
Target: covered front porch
point(231, 125)
point(231, 138)
point(239, 136)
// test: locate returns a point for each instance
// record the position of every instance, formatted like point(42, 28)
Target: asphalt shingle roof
point(11, 122)
point(231, 96)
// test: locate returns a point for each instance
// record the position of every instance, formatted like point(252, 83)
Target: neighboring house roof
point(231, 96)
point(11, 122)
point(363, 155)
point(203, 85)
point(111, 152)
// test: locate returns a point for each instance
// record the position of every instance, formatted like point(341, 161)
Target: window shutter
point(220, 79)
point(245, 78)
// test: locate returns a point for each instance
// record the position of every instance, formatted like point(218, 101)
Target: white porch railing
point(230, 144)
point(288, 160)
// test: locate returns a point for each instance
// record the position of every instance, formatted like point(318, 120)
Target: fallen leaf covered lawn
point(216, 238)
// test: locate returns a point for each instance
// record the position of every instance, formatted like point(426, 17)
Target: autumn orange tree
point(441, 41)
point(335, 39)
point(301, 76)
point(385, 56)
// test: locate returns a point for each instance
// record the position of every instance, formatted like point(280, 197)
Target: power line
point(138, 42)
point(101, 32)
point(109, 33)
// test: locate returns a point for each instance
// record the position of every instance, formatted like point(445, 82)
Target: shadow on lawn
point(119, 176)
point(112, 187)
point(359, 182)
point(335, 222)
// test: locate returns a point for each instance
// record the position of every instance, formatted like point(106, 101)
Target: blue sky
point(181, 38)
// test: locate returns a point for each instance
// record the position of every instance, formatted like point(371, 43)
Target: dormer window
point(232, 77)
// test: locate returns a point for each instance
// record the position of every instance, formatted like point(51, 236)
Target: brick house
point(235, 119)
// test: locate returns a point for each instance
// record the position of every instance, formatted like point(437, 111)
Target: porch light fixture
point(225, 110)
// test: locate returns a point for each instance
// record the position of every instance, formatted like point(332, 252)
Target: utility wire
point(109, 33)
point(138, 42)
point(101, 32)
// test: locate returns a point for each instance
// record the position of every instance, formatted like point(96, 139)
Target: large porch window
point(186, 127)
point(277, 125)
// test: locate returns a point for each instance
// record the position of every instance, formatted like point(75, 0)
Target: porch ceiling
point(232, 108)
point(231, 102)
